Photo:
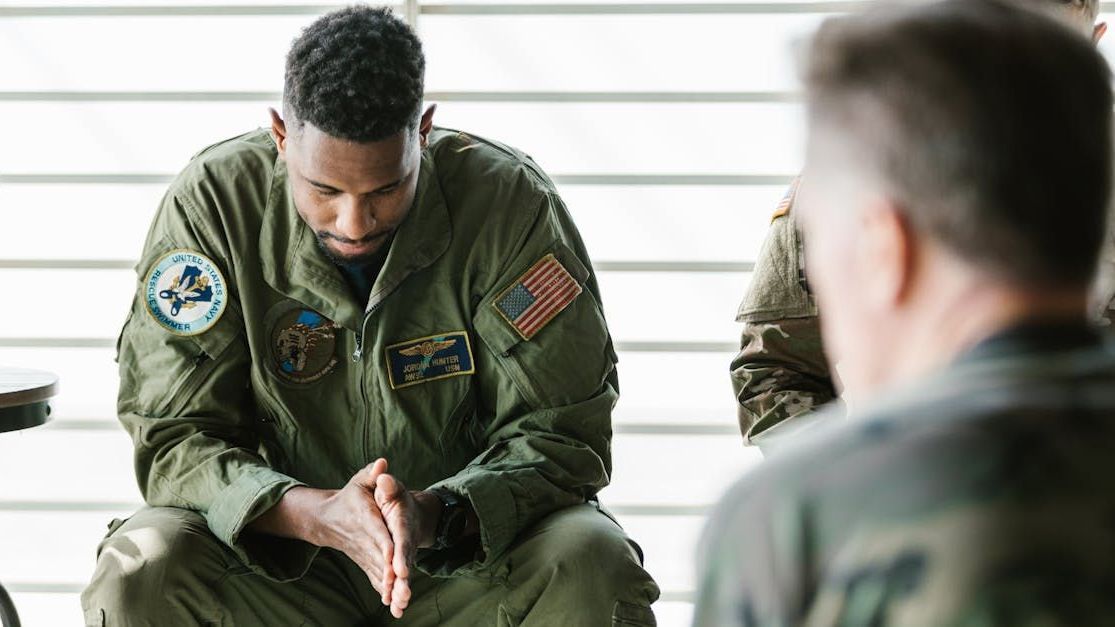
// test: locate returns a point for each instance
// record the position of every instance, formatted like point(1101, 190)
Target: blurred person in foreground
point(953, 209)
point(781, 372)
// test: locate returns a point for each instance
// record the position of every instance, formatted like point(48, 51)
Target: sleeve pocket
point(565, 362)
point(160, 370)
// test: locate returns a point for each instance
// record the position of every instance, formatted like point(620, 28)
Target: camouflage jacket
point(977, 496)
point(781, 371)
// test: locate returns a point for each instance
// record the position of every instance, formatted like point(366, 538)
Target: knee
point(592, 549)
point(588, 550)
point(154, 555)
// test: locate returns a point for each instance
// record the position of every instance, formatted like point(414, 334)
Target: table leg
point(8, 616)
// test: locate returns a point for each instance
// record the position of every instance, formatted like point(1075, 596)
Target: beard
point(323, 239)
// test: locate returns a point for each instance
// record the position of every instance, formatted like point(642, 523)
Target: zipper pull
point(359, 352)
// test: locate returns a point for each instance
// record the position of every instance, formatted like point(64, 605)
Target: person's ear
point(278, 132)
point(426, 124)
point(886, 256)
point(1098, 32)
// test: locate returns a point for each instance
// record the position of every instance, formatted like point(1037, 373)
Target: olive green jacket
point(297, 383)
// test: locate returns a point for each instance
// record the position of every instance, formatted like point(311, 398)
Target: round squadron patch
point(185, 292)
point(304, 344)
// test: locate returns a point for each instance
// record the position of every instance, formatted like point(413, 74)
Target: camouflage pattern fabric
point(780, 371)
point(978, 496)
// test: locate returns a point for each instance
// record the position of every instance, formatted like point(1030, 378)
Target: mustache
point(367, 239)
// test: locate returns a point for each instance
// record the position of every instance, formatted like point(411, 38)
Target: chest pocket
point(568, 360)
point(418, 370)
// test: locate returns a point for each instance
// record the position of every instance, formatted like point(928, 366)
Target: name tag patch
point(429, 359)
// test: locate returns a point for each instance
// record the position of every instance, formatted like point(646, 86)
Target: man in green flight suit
point(953, 208)
point(780, 373)
point(367, 374)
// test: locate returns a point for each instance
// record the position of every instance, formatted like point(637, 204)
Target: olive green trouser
point(163, 567)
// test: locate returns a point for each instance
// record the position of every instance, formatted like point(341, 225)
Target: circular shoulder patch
point(304, 344)
point(185, 292)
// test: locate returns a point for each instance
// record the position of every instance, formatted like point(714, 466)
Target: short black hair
point(990, 126)
point(357, 74)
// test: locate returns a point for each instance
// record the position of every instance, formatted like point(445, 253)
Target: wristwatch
point(454, 517)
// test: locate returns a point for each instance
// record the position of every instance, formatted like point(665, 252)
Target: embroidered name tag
point(429, 359)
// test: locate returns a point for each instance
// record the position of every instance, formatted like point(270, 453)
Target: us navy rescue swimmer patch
point(185, 292)
point(429, 359)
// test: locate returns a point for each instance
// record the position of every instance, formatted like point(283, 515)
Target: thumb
point(390, 491)
point(388, 488)
point(368, 475)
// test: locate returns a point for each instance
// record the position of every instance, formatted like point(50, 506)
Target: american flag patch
point(787, 200)
point(538, 296)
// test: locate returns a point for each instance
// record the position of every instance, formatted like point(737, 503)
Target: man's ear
point(278, 132)
point(426, 124)
point(1098, 32)
point(887, 254)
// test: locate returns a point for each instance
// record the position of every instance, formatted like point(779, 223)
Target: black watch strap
point(453, 519)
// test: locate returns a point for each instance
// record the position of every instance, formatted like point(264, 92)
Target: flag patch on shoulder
point(787, 203)
point(531, 302)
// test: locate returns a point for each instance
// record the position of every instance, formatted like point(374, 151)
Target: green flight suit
point(282, 378)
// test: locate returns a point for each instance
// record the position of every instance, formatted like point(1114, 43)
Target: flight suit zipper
point(357, 356)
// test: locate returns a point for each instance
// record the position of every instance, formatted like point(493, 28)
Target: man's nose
point(355, 219)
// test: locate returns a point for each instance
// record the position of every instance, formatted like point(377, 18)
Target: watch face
point(449, 500)
point(454, 519)
point(458, 518)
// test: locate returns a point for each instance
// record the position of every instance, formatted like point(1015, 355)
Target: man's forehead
point(324, 157)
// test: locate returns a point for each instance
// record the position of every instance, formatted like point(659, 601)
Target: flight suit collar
point(294, 265)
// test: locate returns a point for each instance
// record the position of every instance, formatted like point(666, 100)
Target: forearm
point(295, 516)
